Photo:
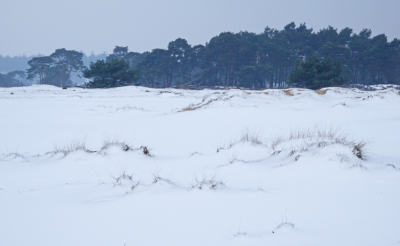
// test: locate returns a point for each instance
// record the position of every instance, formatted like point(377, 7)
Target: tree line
point(13, 71)
point(295, 55)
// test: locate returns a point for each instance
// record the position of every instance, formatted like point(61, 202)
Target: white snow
point(229, 167)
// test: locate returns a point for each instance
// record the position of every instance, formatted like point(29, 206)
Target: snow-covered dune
point(141, 166)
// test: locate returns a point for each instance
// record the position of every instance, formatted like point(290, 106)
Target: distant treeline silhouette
point(263, 60)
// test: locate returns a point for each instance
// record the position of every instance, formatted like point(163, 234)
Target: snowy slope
point(140, 166)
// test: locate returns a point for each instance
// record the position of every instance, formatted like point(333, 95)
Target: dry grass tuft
point(158, 178)
point(124, 146)
point(65, 150)
point(13, 155)
point(320, 138)
point(79, 145)
point(253, 137)
point(239, 233)
point(359, 150)
point(170, 92)
point(121, 177)
point(288, 93)
point(107, 144)
point(124, 179)
point(212, 182)
point(266, 93)
point(285, 223)
point(146, 151)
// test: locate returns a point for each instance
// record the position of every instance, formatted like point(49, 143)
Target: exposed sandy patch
point(320, 92)
point(197, 106)
point(287, 92)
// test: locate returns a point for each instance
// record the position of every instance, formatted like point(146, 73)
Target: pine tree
point(109, 74)
point(315, 73)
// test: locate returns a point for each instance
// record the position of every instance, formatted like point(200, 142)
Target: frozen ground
point(139, 166)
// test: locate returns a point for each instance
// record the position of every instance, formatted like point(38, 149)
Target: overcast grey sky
point(41, 26)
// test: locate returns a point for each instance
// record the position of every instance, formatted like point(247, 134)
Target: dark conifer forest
point(270, 59)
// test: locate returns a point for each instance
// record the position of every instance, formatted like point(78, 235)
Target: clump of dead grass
point(80, 145)
point(212, 182)
point(320, 138)
point(12, 155)
point(110, 143)
point(157, 178)
point(107, 144)
point(284, 223)
point(123, 175)
point(252, 136)
point(66, 149)
point(146, 151)
point(171, 92)
point(125, 179)
point(359, 149)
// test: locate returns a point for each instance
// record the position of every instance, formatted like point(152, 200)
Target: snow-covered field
point(140, 166)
